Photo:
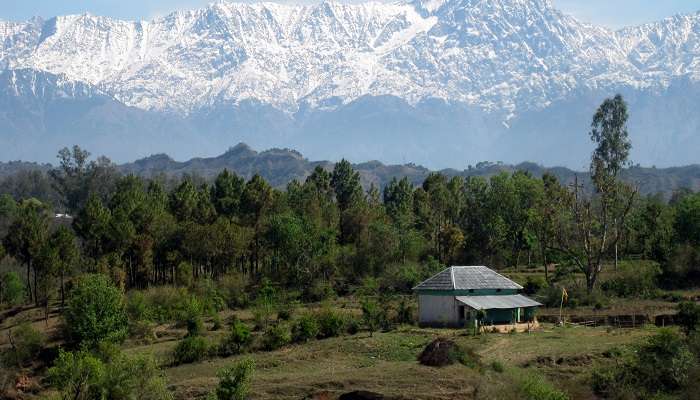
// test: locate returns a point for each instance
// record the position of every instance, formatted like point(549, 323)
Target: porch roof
point(497, 302)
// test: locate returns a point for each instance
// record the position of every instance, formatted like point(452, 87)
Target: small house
point(473, 296)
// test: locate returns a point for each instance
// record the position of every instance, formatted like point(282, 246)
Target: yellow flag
point(564, 294)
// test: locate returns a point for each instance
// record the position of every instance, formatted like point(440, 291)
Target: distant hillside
point(13, 167)
point(280, 166)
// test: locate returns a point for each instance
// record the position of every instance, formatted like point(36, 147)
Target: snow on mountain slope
point(504, 55)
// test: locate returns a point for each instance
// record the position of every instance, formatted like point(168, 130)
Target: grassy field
point(386, 362)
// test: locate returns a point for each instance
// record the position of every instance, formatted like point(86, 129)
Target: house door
point(461, 311)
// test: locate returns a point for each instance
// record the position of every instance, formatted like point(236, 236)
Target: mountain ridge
point(280, 166)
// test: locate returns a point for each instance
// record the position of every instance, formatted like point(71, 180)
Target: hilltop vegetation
point(281, 166)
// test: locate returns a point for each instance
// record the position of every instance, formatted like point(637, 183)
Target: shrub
point(276, 336)
point(534, 387)
point(78, 375)
point(688, 316)
point(605, 382)
point(142, 330)
point(209, 297)
point(372, 315)
point(404, 312)
point(12, 289)
point(166, 303)
point(190, 349)
point(497, 366)
point(85, 376)
point(638, 279)
point(25, 344)
point(352, 325)
point(318, 290)
point(134, 378)
point(96, 311)
point(237, 340)
point(216, 322)
point(330, 323)
point(285, 312)
point(401, 277)
point(137, 307)
point(234, 382)
point(232, 288)
point(195, 326)
point(663, 362)
point(305, 328)
point(534, 284)
point(183, 274)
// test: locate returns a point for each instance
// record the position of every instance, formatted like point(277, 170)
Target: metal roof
point(497, 302)
point(465, 278)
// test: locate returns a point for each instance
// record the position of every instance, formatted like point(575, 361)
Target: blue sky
point(611, 13)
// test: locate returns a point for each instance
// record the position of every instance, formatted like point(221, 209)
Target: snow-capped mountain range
point(435, 81)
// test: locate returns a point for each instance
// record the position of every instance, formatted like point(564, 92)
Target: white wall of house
point(440, 310)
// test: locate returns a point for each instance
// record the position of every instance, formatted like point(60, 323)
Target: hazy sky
point(611, 13)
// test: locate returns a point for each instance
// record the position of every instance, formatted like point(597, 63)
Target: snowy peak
point(505, 56)
point(27, 83)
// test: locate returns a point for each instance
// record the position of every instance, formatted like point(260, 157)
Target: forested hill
point(280, 166)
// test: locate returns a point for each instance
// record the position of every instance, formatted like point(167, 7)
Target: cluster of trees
point(330, 230)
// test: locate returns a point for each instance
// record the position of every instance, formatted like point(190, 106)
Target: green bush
point(134, 378)
point(404, 312)
point(96, 312)
point(166, 303)
point(234, 381)
point(352, 325)
point(12, 289)
point(331, 323)
point(276, 336)
point(534, 387)
point(688, 316)
point(137, 307)
point(534, 284)
point(401, 277)
point(142, 330)
point(305, 328)
point(211, 300)
point(190, 349)
point(183, 274)
point(216, 322)
point(194, 325)
point(638, 279)
point(25, 344)
point(286, 311)
point(662, 364)
point(318, 290)
point(112, 375)
point(372, 315)
point(78, 375)
point(238, 339)
point(607, 382)
point(232, 288)
point(497, 366)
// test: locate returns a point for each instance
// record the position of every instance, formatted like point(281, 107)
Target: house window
point(498, 290)
point(471, 290)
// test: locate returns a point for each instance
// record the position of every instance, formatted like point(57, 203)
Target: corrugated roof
point(465, 278)
point(497, 302)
